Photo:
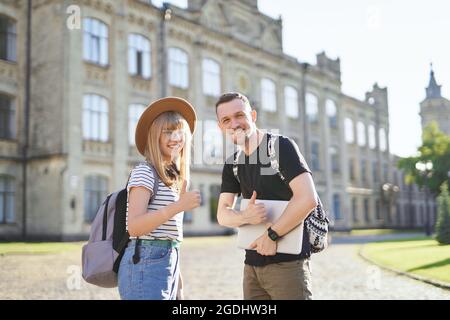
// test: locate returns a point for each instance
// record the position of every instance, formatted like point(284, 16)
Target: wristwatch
point(272, 234)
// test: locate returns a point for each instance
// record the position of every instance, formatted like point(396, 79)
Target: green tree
point(443, 221)
point(435, 148)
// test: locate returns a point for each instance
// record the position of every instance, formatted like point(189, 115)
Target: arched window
point(95, 41)
point(178, 68)
point(211, 78)
point(7, 199)
point(139, 55)
point(268, 95)
point(291, 102)
point(95, 191)
point(95, 118)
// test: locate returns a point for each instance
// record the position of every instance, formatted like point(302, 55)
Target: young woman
point(150, 267)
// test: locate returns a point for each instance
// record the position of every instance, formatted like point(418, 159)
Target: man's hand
point(264, 245)
point(254, 213)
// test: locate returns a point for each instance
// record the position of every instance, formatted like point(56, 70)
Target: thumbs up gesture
point(188, 200)
point(255, 213)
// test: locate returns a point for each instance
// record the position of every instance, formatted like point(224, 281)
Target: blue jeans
point(155, 276)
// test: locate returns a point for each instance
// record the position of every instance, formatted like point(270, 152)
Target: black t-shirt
point(256, 174)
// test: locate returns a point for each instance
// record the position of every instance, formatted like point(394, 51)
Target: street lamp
point(390, 194)
point(424, 169)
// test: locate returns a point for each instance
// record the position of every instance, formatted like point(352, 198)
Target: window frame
point(91, 113)
point(268, 95)
point(139, 56)
point(92, 202)
point(178, 64)
point(211, 77)
point(9, 36)
point(7, 199)
point(95, 41)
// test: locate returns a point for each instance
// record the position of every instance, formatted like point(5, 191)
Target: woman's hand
point(188, 200)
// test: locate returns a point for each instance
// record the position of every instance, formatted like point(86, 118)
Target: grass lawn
point(374, 232)
point(422, 256)
point(38, 247)
point(58, 247)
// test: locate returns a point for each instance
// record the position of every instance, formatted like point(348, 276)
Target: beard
point(239, 135)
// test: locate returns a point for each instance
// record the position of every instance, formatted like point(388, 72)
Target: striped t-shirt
point(142, 176)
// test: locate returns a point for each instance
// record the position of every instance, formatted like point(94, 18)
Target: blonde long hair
point(169, 121)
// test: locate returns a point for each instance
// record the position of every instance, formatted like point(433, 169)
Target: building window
point(95, 191)
point(377, 209)
point(375, 171)
point(363, 171)
point(7, 118)
point(335, 167)
point(386, 172)
point(372, 139)
point(331, 113)
point(214, 193)
point(178, 68)
point(349, 131)
point(396, 173)
point(188, 217)
point(291, 102)
point(7, 199)
point(95, 118)
point(134, 113)
point(212, 143)
point(8, 38)
point(337, 207)
point(383, 145)
point(412, 212)
point(211, 78)
point(351, 169)
point(399, 214)
point(95, 38)
point(139, 56)
point(315, 160)
point(354, 210)
point(268, 95)
point(312, 107)
point(361, 134)
point(366, 210)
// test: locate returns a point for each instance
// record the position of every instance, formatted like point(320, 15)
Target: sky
point(391, 42)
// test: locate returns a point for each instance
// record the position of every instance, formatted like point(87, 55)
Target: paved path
point(212, 268)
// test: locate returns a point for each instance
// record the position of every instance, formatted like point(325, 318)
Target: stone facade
point(246, 44)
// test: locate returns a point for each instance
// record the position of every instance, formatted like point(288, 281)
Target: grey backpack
point(316, 223)
point(108, 239)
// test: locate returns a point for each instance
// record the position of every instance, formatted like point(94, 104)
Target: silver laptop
point(289, 243)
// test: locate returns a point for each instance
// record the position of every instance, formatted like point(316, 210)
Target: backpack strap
point(235, 164)
point(105, 218)
point(273, 157)
point(155, 183)
point(276, 166)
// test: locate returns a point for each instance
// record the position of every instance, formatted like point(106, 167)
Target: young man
point(267, 274)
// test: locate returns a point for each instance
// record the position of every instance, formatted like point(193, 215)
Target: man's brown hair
point(230, 96)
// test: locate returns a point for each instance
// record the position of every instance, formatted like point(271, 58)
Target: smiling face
point(237, 120)
point(171, 142)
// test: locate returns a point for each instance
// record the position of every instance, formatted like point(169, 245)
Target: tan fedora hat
point(174, 104)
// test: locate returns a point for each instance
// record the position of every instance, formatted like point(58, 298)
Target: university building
point(75, 77)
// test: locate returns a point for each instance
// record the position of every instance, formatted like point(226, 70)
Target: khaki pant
point(278, 281)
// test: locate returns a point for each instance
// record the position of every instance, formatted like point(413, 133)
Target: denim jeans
point(155, 276)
